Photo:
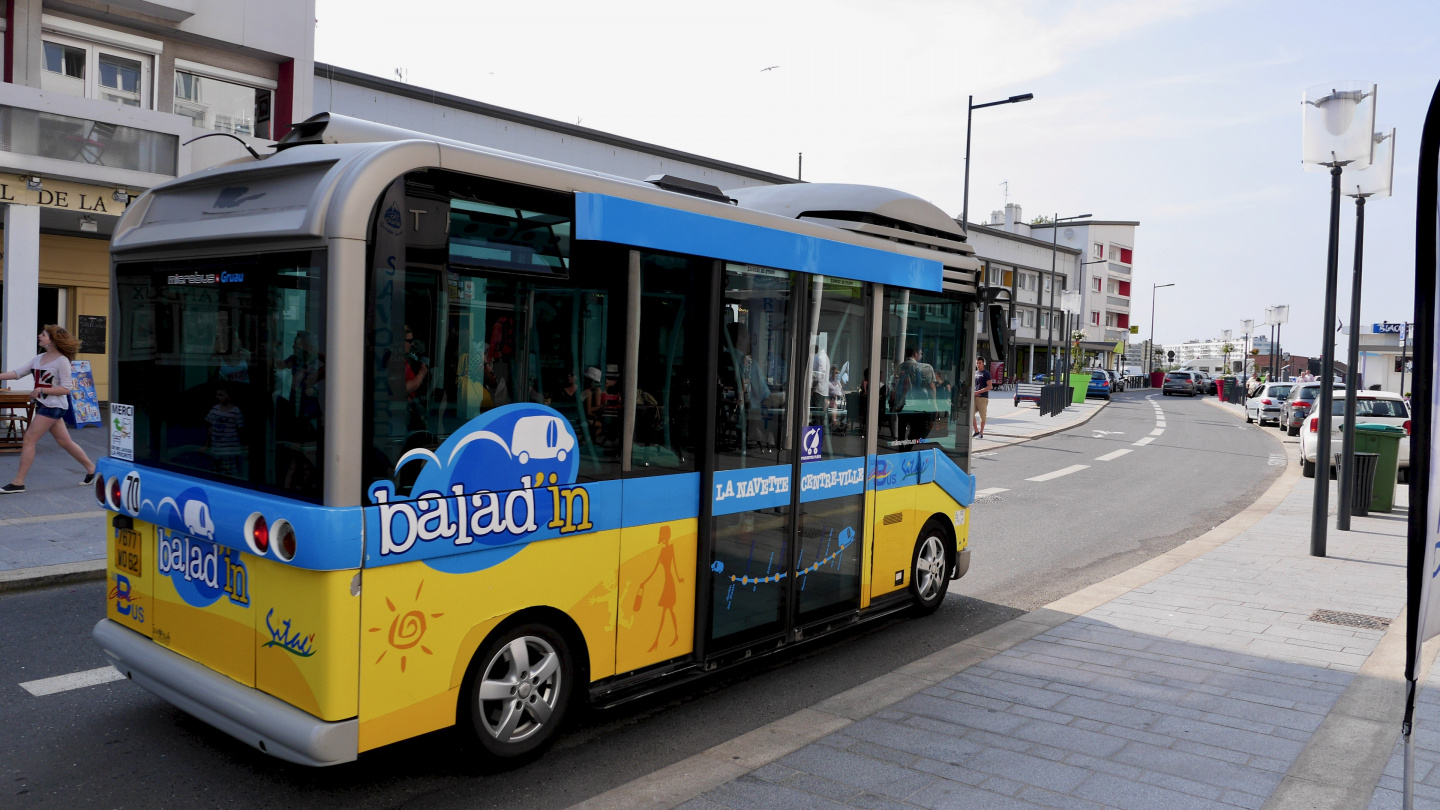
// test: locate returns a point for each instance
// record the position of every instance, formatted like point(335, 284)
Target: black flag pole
point(1422, 412)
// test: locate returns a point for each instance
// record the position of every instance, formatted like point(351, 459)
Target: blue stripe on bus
point(602, 218)
point(658, 498)
point(957, 483)
point(756, 488)
point(822, 480)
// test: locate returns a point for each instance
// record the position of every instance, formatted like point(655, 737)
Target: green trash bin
point(1384, 441)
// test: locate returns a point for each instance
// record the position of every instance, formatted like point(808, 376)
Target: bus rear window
point(224, 362)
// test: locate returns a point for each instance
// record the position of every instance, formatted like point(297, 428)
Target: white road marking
point(991, 491)
point(1157, 431)
point(1107, 432)
point(1160, 423)
point(1113, 456)
point(1071, 469)
point(977, 455)
point(75, 680)
point(1277, 460)
point(1145, 441)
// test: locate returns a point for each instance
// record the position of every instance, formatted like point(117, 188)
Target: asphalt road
point(115, 745)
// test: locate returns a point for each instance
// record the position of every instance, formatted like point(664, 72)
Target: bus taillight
point(257, 533)
point(284, 540)
point(114, 497)
point(100, 489)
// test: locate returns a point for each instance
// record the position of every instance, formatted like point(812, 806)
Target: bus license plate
point(127, 551)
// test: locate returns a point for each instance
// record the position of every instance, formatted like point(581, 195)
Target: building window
point(1123, 253)
point(1095, 317)
point(1027, 318)
point(1099, 251)
point(222, 105)
point(1095, 283)
point(1048, 280)
point(1111, 319)
point(89, 70)
point(1113, 287)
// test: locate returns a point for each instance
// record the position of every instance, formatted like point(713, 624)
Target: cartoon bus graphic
point(541, 437)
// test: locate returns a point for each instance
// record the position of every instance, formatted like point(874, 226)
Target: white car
point(1265, 405)
point(1372, 408)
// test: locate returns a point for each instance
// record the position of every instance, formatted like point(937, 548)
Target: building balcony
point(1118, 302)
point(1118, 268)
point(49, 134)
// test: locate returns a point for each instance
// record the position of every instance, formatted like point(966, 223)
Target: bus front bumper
point(250, 716)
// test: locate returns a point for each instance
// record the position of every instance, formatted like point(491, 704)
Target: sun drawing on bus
point(406, 629)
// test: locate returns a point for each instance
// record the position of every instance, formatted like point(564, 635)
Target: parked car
point(1099, 385)
point(1182, 382)
point(1371, 408)
point(1297, 405)
point(1264, 406)
point(1117, 383)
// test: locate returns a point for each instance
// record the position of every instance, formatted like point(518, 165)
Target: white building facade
point(1104, 279)
point(1382, 356)
point(1022, 264)
point(97, 102)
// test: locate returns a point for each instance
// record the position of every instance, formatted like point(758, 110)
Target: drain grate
point(1359, 620)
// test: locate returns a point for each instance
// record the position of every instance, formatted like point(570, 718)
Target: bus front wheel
point(518, 690)
point(929, 570)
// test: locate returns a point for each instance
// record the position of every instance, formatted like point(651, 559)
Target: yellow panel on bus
point(130, 573)
point(420, 627)
point(657, 594)
point(305, 651)
point(202, 603)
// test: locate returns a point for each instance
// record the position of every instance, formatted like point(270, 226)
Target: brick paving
point(1198, 689)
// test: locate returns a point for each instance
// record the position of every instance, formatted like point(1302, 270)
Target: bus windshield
point(224, 363)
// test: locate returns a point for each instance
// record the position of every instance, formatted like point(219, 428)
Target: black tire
point(1292, 431)
point(1248, 420)
point(1307, 468)
point(512, 708)
point(1403, 477)
point(929, 570)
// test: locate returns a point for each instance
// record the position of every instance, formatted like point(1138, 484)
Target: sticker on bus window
point(122, 432)
point(810, 443)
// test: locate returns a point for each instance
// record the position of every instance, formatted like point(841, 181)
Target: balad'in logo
point(202, 571)
point(504, 478)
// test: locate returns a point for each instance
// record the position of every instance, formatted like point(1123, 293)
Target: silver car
point(1264, 406)
point(1182, 382)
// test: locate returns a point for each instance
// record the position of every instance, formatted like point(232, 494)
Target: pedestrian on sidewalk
point(51, 369)
point(983, 383)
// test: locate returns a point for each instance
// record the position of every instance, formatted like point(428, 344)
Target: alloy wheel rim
point(519, 689)
point(929, 568)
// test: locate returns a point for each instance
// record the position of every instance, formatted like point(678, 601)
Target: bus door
point(788, 488)
point(831, 476)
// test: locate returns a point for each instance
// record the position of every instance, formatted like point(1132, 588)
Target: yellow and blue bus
point(408, 434)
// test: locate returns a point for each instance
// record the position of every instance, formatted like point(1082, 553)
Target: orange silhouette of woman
point(665, 564)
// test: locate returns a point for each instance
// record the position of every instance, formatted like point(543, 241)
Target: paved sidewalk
point(54, 522)
point(1012, 424)
point(1211, 676)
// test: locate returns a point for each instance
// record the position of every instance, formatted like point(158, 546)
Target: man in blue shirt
point(983, 383)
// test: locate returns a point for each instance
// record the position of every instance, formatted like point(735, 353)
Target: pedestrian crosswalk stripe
point(75, 680)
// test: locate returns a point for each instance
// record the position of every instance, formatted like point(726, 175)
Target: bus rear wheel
point(518, 690)
point(929, 570)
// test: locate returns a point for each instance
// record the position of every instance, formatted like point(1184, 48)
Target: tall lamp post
point(1338, 127)
point(1153, 289)
point(1279, 316)
point(1050, 325)
point(1372, 182)
point(972, 107)
point(1248, 326)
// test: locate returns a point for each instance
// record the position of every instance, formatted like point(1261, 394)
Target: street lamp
point(972, 107)
point(1153, 288)
point(1374, 181)
point(1249, 326)
point(1276, 316)
point(1337, 131)
point(1050, 324)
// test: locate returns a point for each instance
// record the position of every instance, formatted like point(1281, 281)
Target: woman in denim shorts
point(51, 393)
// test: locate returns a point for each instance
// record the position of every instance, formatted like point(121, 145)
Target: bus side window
point(672, 345)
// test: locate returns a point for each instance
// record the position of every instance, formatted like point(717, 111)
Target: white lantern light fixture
point(1374, 181)
point(1338, 120)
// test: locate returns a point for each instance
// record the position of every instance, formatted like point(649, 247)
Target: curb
point(684, 780)
point(1014, 440)
point(24, 579)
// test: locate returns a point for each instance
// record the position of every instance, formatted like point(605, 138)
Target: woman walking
point(52, 398)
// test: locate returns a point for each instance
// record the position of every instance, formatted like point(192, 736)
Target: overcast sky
point(1181, 114)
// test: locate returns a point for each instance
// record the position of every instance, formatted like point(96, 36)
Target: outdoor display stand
point(84, 410)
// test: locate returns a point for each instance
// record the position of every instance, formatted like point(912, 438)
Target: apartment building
point(1106, 273)
point(98, 103)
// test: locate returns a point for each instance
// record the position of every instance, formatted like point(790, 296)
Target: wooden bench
point(1027, 392)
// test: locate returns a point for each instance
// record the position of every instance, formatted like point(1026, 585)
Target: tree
point(1042, 220)
point(1226, 350)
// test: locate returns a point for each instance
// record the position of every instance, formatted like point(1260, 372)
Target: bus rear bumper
point(250, 716)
